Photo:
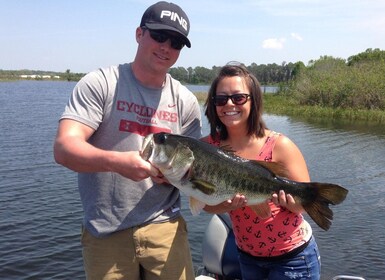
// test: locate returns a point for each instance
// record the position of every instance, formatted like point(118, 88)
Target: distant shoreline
point(38, 75)
point(281, 105)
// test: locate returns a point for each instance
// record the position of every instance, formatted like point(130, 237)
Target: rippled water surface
point(40, 211)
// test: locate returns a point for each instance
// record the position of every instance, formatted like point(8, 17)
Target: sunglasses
point(237, 99)
point(159, 36)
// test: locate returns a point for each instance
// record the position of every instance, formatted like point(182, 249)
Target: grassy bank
point(201, 96)
point(280, 105)
point(277, 104)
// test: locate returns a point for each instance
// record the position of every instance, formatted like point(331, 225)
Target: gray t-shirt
point(122, 112)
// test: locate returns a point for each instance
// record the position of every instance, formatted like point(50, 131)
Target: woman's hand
point(287, 201)
point(237, 201)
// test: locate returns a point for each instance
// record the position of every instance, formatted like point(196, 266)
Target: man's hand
point(160, 179)
point(133, 166)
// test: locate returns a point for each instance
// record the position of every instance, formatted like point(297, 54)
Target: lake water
point(40, 211)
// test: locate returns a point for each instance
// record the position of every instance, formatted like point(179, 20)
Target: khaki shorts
point(154, 251)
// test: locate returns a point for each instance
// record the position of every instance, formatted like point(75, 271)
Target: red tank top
point(277, 235)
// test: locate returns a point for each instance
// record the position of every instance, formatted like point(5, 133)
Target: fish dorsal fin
point(196, 206)
point(203, 186)
point(275, 168)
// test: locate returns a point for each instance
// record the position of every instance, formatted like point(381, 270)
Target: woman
point(273, 239)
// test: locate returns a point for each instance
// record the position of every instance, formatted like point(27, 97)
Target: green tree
point(368, 55)
point(330, 82)
point(68, 75)
point(202, 75)
point(180, 73)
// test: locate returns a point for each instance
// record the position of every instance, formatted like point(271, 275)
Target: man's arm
point(72, 150)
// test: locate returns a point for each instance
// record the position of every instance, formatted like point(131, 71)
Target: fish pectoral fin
point(196, 206)
point(204, 186)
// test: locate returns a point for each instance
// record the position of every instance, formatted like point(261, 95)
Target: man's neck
point(148, 78)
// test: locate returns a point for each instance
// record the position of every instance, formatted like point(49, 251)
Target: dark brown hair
point(255, 123)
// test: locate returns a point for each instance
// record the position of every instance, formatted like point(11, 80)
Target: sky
point(83, 35)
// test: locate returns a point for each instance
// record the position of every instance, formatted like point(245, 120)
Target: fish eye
point(160, 138)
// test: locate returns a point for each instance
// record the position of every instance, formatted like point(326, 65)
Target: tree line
point(357, 82)
point(270, 74)
point(39, 75)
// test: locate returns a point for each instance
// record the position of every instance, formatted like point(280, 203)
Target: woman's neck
point(247, 146)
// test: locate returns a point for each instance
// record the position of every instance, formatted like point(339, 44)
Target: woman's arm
point(288, 154)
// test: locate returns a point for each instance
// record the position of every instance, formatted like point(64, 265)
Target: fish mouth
point(147, 147)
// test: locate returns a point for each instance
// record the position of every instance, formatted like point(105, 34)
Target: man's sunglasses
point(160, 36)
point(237, 99)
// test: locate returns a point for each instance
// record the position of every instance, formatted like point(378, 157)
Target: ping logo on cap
point(175, 17)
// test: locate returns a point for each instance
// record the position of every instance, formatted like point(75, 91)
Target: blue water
point(40, 211)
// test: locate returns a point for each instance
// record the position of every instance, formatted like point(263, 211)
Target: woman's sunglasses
point(159, 36)
point(237, 99)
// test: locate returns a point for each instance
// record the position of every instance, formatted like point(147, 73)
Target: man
point(132, 227)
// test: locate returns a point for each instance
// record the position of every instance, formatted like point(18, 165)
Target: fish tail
point(318, 208)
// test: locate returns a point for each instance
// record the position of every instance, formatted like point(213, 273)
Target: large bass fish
point(211, 175)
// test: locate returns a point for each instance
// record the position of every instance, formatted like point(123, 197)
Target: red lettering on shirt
point(146, 112)
point(137, 128)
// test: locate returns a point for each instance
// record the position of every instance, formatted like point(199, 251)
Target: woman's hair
point(255, 123)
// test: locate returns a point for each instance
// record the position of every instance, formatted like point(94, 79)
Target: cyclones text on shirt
point(146, 118)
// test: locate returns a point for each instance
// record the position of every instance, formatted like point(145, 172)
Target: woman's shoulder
point(282, 141)
point(287, 153)
point(285, 148)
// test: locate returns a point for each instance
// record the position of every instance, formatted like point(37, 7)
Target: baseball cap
point(167, 16)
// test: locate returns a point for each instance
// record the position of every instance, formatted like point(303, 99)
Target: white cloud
point(273, 43)
point(296, 36)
